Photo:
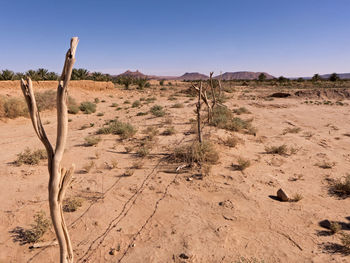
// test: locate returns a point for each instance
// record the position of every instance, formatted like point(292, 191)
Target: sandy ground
point(158, 215)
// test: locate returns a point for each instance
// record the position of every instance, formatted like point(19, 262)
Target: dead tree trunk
point(60, 178)
point(199, 113)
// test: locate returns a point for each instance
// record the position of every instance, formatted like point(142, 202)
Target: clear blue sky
point(282, 37)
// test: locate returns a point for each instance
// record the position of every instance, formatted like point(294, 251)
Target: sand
point(158, 215)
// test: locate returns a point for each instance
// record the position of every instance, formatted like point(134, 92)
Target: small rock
point(282, 195)
point(113, 251)
point(183, 256)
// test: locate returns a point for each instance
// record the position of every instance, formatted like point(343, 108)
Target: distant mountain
point(132, 74)
point(243, 75)
point(193, 76)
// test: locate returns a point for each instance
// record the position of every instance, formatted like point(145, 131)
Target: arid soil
point(155, 214)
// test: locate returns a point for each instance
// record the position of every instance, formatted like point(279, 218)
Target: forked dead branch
point(60, 177)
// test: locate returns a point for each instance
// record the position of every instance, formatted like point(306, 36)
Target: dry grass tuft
point(72, 204)
point(242, 164)
point(291, 130)
point(29, 157)
point(281, 150)
point(125, 130)
point(196, 153)
point(91, 141)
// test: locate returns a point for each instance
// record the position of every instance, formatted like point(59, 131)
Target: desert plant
point(178, 105)
point(169, 131)
point(196, 153)
point(281, 150)
point(100, 114)
point(38, 229)
point(12, 108)
point(231, 141)
point(291, 130)
point(296, 198)
point(157, 111)
point(73, 107)
point(341, 187)
point(335, 227)
point(30, 157)
point(345, 240)
point(91, 140)
point(125, 130)
point(242, 164)
point(136, 104)
point(87, 107)
point(87, 167)
point(151, 132)
point(241, 110)
point(72, 204)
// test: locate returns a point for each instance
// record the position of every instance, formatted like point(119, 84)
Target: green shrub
point(157, 111)
point(125, 130)
point(223, 118)
point(29, 157)
point(87, 107)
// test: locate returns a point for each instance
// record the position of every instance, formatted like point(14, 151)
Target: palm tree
point(32, 74)
point(7, 75)
point(51, 76)
point(80, 74)
point(42, 73)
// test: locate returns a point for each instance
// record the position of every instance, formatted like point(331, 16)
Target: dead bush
point(204, 152)
point(29, 157)
point(72, 204)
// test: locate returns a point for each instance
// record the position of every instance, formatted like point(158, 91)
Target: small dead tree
point(60, 178)
point(199, 113)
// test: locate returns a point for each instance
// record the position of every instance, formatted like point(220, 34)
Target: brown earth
point(158, 215)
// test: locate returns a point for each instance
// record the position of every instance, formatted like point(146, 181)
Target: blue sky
point(282, 37)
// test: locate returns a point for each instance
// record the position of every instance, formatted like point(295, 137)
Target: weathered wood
point(60, 178)
point(199, 113)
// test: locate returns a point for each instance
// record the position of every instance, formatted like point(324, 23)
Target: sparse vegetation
point(241, 110)
point(242, 164)
point(12, 108)
point(291, 130)
point(72, 204)
point(136, 104)
point(341, 187)
point(30, 157)
point(196, 152)
point(92, 140)
point(87, 107)
point(169, 131)
point(125, 130)
point(157, 111)
point(38, 228)
point(281, 150)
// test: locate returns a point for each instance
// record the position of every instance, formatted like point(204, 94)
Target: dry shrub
point(223, 118)
point(12, 108)
point(91, 141)
point(204, 152)
point(291, 130)
point(87, 107)
point(241, 110)
point(178, 105)
point(232, 141)
point(335, 227)
point(345, 240)
point(151, 132)
point(296, 198)
point(37, 230)
point(29, 157)
point(137, 164)
point(46, 100)
point(169, 131)
point(242, 164)
point(157, 111)
point(281, 150)
point(72, 204)
point(341, 187)
point(125, 130)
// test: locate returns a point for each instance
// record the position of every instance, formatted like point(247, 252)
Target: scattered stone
point(282, 195)
point(112, 251)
